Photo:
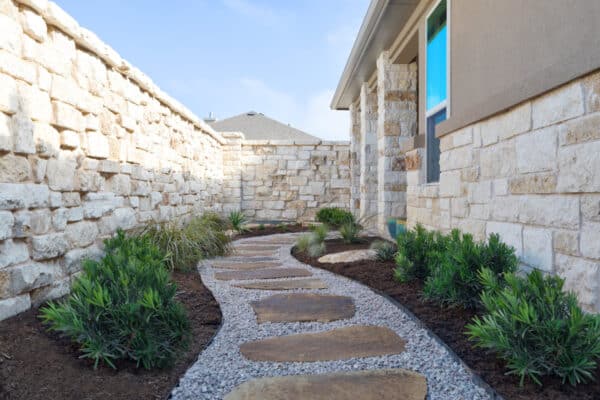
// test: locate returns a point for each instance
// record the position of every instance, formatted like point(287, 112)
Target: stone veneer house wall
point(519, 144)
point(89, 144)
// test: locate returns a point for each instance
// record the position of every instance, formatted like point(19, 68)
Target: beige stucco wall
point(531, 174)
point(504, 52)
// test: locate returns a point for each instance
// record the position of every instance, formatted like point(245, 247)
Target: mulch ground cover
point(272, 230)
point(449, 325)
point(35, 364)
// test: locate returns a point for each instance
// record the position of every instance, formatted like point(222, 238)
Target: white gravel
point(221, 367)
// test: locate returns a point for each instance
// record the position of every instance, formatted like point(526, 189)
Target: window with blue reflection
point(437, 57)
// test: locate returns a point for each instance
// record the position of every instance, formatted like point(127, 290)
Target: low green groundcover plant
point(123, 307)
point(334, 217)
point(537, 328)
point(416, 250)
point(454, 270)
point(187, 243)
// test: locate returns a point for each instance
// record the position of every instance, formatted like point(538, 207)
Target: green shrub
point(350, 231)
point(261, 227)
point(416, 250)
point(237, 221)
point(537, 328)
point(334, 217)
point(123, 307)
point(186, 244)
point(384, 250)
point(454, 273)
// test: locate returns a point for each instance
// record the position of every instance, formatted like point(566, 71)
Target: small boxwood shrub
point(187, 243)
point(334, 217)
point(416, 250)
point(454, 273)
point(384, 250)
point(123, 307)
point(537, 328)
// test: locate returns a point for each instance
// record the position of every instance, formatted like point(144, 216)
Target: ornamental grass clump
point(187, 243)
point(313, 243)
point(334, 217)
point(454, 273)
point(123, 307)
point(237, 221)
point(416, 250)
point(350, 231)
point(537, 328)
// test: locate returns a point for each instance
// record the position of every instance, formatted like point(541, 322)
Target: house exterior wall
point(531, 174)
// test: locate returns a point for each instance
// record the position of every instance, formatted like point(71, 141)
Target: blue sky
point(279, 57)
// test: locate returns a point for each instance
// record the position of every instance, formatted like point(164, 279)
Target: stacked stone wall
point(88, 144)
point(531, 174)
point(286, 180)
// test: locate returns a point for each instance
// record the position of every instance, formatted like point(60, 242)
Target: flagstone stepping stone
point(247, 266)
point(383, 384)
point(269, 253)
point(336, 344)
point(269, 273)
point(303, 307)
point(250, 259)
point(348, 256)
point(288, 284)
point(256, 247)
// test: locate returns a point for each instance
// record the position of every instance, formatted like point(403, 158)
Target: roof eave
point(379, 26)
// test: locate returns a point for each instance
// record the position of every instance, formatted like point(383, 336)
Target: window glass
point(437, 56)
point(433, 146)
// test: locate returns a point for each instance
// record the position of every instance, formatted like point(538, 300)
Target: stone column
point(232, 171)
point(355, 154)
point(396, 125)
point(368, 156)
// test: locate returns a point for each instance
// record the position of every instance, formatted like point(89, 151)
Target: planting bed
point(449, 325)
point(37, 365)
point(271, 230)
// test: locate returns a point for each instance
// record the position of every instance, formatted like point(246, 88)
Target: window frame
point(444, 105)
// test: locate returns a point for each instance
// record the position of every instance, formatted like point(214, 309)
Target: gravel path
point(221, 367)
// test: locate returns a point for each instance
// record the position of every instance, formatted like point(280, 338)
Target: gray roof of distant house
point(256, 126)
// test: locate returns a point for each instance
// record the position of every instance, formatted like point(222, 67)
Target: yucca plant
point(536, 327)
point(123, 307)
point(350, 231)
point(237, 220)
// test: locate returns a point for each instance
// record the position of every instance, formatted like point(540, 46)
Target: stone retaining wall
point(89, 144)
point(531, 174)
point(286, 180)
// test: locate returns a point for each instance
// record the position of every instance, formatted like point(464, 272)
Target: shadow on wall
point(62, 192)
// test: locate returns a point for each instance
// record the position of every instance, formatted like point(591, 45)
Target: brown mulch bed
point(272, 230)
point(37, 365)
point(449, 325)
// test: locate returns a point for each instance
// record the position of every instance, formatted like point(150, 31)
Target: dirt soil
point(37, 365)
point(449, 325)
point(272, 230)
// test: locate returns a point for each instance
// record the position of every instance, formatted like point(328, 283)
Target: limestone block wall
point(286, 180)
point(88, 144)
point(531, 174)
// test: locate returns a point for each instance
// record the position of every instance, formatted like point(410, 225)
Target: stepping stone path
point(336, 344)
point(324, 337)
point(302, 307)
point(310, 283)
point(387, 384)
point(247, 266)
point(270, 273)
